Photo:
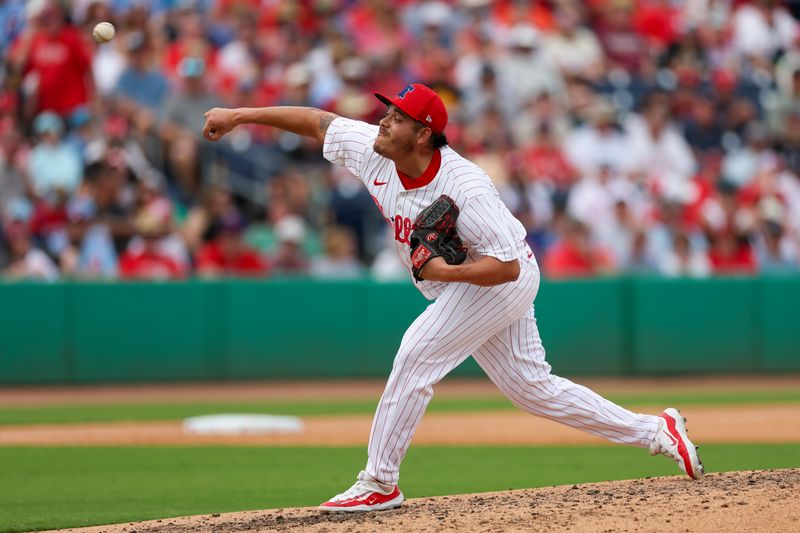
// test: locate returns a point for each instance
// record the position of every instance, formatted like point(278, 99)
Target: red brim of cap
point(384, 99)
point(398, 103)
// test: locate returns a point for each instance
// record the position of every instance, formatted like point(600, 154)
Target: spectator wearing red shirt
point(507, 13)
point(149, 263)
point(376, 30)
point(190, 42)
point(621, 43)
point(658, 21)
point(152, 254)
point(54, 60)
point(575, 256)
point(731, 255)
point(543, 159)
point(228, 255)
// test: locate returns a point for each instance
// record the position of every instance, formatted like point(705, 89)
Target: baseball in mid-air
point(103, 32)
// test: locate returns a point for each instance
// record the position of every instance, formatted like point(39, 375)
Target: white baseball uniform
point(495, 325)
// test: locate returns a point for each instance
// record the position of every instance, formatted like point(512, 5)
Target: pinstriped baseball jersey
point(494, 324)
point(485, 225)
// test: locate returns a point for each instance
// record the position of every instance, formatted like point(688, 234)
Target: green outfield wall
point(90, 332)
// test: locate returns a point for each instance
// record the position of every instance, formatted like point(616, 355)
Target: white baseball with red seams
point(495, 325)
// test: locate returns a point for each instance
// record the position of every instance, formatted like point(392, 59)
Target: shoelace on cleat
point(360, 487)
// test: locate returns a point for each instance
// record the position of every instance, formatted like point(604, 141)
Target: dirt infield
point(733, 501)
point(739, 424)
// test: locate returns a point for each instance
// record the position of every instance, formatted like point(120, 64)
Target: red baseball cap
point(421, 103)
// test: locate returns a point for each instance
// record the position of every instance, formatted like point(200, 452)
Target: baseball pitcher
point(468, 254)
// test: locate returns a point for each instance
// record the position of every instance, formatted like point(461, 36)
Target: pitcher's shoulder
point(472, 184)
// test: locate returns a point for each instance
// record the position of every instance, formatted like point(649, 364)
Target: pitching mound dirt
point(733, 501)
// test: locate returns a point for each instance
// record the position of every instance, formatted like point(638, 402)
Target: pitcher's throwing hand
point(218, 122)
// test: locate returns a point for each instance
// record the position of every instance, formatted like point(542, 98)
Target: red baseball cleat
point(366, 494)
point(672, 440)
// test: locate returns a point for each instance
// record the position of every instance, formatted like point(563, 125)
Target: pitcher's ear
point(424, 135)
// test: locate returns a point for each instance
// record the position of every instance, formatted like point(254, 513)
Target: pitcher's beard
point(394, 155)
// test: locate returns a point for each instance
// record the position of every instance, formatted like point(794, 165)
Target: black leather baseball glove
point(434, 235)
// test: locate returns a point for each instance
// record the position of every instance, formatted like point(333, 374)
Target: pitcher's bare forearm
point(486, 271)
point(306, 121)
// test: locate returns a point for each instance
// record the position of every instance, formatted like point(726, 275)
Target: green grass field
point(45, 488)
point(62, 414)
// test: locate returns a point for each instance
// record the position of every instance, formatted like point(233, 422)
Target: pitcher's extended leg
point(514, 359)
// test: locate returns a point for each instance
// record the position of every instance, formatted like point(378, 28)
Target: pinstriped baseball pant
point(497, 326)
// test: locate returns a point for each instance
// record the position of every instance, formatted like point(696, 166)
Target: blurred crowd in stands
point(650, 137)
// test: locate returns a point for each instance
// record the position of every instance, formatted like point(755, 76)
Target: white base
point(241, 424)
